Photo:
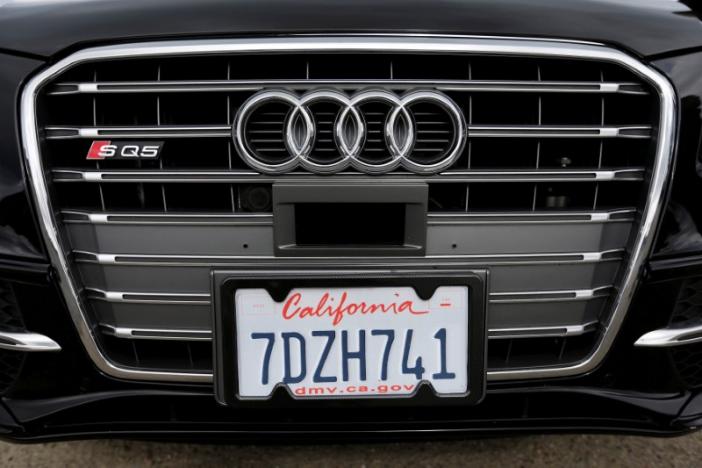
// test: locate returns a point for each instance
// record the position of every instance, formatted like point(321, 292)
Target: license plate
point(352, 342)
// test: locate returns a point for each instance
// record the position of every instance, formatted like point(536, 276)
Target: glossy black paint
point(18, 236)
point(680, 233)
point(45, 27)
point(62, 395)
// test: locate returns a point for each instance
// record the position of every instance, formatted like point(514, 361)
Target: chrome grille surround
point(640, 247)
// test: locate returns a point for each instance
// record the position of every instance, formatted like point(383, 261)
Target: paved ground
point(569, 450)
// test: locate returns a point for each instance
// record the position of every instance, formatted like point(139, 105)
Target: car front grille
point(555, 191)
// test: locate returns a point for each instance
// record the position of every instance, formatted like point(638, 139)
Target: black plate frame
point(425, 283)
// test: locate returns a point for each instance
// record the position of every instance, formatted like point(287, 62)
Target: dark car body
point(646, 390)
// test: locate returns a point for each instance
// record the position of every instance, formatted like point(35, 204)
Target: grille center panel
point(553, 186)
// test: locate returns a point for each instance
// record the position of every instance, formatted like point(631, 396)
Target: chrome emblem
point(299, 132)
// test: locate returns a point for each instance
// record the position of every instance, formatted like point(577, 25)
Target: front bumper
point(193, 415)
point(63, 396)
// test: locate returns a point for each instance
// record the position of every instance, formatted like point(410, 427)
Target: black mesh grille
point(10, 320)
point(688, 310)
point(519, 353)
point(688, 362)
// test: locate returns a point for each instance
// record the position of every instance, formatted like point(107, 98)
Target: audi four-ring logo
point(350, 132)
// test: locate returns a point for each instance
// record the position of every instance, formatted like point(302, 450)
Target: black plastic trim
point(413, 195)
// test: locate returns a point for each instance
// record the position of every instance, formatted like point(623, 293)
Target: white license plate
point(352, 342)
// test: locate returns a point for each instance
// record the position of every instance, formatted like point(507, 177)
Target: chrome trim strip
point(542, 332)
point(27, 342)
point(147, 297)
point(206, 335)
point(70, 175)
point(266, 219)
point(358, 43)
point(550, 296)
point(475, 131)
point(157, 297)
point(547, 131)
point(668, 337)
point(566, 257)
point(214, 219)
point(195, 131)
point(82, 256)
point(546, 217)
point(118, 87)
point(155, 333)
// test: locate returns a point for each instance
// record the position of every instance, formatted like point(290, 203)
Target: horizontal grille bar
point(180, 131)
point(550, 296)
point(474, 131)
point(227, 260)
point(204, 299)
point(156, 334)
point(79, 217)
point(236, 219)
point(206, 335)
point(70, 175)
point(542, 332)
point(552, 131)
point(625, 215)
point(119, 87)
point(148, 298)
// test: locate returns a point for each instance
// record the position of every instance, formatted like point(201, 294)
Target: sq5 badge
point(106, 149)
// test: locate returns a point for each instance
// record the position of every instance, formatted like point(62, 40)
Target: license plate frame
point(425, 283)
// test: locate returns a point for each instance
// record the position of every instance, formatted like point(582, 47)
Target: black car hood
point(647, 27)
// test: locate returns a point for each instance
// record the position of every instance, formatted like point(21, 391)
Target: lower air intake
point(11, 362)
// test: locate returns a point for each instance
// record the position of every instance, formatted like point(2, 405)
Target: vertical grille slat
point(538, 143)
point(97, 163)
